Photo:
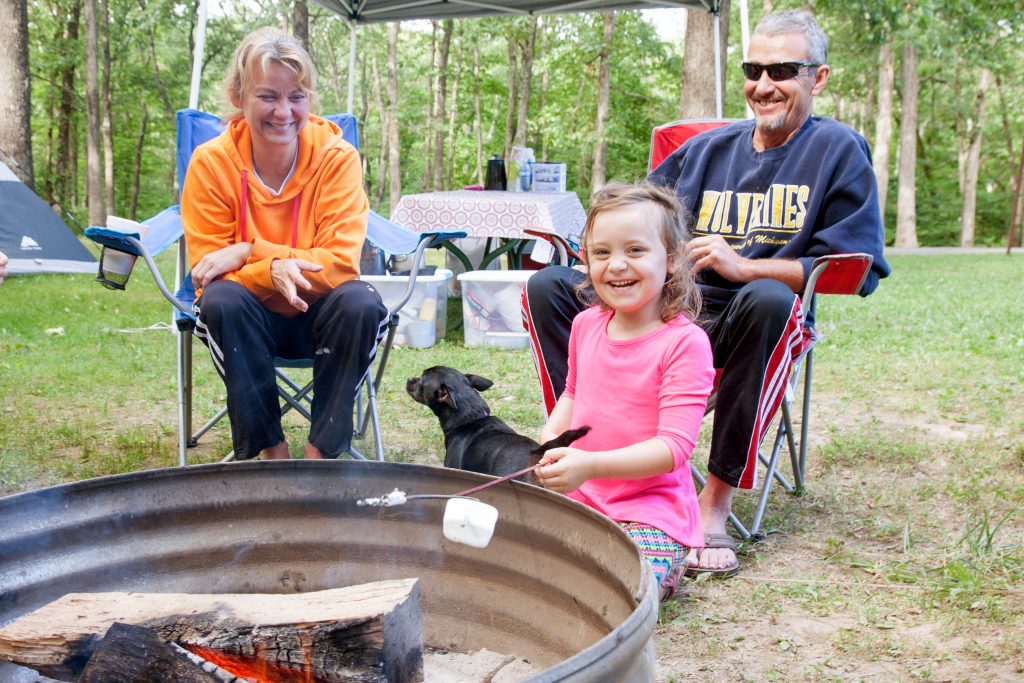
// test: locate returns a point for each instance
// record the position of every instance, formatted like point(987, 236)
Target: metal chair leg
point(184, 347)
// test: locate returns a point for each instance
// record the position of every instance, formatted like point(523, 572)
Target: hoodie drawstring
point(243, 219)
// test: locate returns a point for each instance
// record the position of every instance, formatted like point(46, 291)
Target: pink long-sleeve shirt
point(629, 391)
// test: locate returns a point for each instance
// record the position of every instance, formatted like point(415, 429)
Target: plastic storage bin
point(423, 319)
point(491, 308)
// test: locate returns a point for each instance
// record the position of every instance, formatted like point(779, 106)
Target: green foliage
point(151, 63)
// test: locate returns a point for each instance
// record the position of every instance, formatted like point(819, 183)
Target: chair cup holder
point(115, 268)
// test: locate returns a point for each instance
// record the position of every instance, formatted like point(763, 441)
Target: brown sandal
point(716, 541)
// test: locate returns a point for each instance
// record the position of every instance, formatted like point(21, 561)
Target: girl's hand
point(286, 273)
point(564, 469)
point(216, 263)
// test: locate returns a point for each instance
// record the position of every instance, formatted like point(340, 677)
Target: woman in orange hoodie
point(275, 218)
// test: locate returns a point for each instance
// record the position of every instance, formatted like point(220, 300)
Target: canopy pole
point(197, 58)
point(351, 66)
point(718, 64)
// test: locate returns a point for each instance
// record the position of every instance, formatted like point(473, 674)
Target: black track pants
point(340, 332)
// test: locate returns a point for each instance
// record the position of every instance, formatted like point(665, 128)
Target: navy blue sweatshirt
point(816, 195)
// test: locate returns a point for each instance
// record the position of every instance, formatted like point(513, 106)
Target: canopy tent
point(376, 11)
point(33, 237)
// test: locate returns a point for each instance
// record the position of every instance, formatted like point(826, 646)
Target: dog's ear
point(443, 395)
point(479, 383)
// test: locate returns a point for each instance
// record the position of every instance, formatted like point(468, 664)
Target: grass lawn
point(903, 561)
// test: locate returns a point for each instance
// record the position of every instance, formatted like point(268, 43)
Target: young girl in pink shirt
point(640, 372)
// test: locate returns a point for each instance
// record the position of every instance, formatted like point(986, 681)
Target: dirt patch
point(858, 580)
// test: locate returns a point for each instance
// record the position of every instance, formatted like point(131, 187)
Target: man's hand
point(712, 251)
point(286, 273)
point(3, 266)
point(225, 260)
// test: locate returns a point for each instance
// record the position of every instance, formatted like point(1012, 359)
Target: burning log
point(130, 654)
point(371, 632)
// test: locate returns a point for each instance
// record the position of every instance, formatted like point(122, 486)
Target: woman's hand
point(225, 260)
point(286, 274)
point(564, 469)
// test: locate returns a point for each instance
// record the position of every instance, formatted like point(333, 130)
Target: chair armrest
point(562, 246)
point(438, 238)
point(129, 243)
point(838, 274)
point(115, 239)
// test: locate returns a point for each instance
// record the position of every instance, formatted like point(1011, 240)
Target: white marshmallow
point(469, 522)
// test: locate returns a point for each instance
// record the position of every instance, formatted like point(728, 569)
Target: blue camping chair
point(121, 248)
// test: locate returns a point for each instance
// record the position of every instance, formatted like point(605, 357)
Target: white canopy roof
point(374, 11)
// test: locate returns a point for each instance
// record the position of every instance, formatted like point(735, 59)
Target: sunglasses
point(783, 71)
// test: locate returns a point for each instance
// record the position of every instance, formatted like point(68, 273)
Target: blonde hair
point(680, 294)
point(253, 57)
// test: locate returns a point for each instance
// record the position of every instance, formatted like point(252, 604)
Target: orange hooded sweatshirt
point(319, 216)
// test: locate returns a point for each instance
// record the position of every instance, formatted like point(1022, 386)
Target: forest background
point(90, 88)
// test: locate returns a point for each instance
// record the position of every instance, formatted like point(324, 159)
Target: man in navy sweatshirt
point(769, 195)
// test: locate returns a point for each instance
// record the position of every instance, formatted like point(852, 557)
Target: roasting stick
point(497, 481)
point(397, 497)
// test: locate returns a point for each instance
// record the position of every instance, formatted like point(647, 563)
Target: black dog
point(475, 440)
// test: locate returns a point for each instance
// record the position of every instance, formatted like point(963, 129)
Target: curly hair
point(680, 295)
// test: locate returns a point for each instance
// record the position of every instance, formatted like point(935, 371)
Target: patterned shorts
point(667, 558)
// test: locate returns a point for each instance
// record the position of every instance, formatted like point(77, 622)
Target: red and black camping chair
point(834, 274)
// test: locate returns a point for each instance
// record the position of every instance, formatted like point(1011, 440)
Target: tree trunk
point(545, 85)
point(453, 115)
point(1012, 239)
point(107, 125)
point(1017, 210)
point(382, 113)
point(906, 201)
point(599, 168)
point(15, 91)
point(973, 161)
point(525, 82)
point(336, 75)
point(428, 151)
point(94, 152)
point(697, 91)
point(394, 145)
point(440, 103)
point(883, 125)
point(300, 22)
point(513, 82)
point(478, 124)
point(137, 164)
point(64, 182)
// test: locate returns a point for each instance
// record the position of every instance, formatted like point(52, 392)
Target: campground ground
point(903, 561)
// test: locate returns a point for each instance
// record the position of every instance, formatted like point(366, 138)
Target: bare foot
point(311, 452)
point(277, 452)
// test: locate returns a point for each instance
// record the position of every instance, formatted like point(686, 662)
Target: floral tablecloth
point(492, 214)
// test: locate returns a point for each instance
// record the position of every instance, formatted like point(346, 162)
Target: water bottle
point(526, 176)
